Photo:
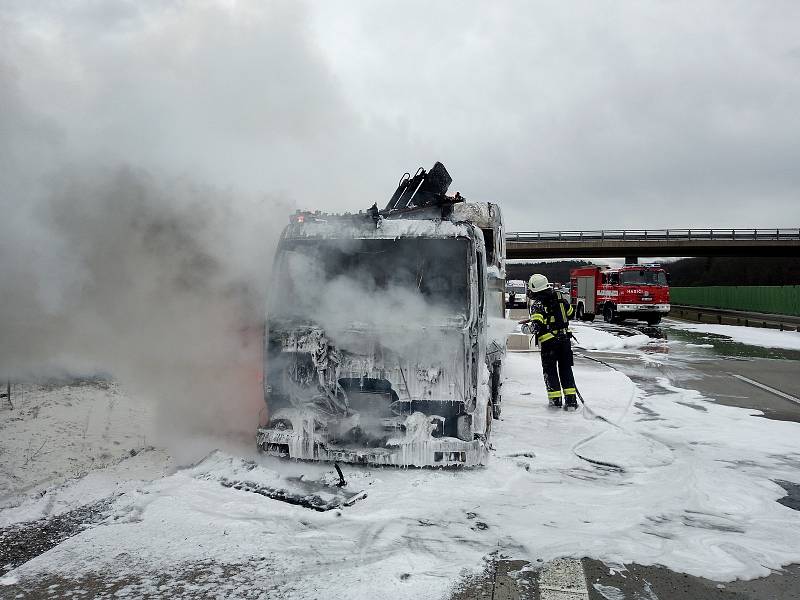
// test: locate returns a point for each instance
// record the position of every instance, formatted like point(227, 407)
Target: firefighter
point(549, 323)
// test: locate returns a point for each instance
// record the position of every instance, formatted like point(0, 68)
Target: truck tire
point(588, 317)
point(579, 312)
point(609, 314)
point(653, 319)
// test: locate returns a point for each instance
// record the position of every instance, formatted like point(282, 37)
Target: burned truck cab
point(377, 348)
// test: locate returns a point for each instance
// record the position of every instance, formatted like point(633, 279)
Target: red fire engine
point(629, 292)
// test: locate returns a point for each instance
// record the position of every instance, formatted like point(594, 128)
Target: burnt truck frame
point(396, 392)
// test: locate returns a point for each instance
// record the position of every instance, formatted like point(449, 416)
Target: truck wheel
point(579, 313)
point(588, 317)
point(653, 319)
point(609, 313)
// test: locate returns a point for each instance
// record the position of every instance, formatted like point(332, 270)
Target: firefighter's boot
point(570, 402)
point(554, 399)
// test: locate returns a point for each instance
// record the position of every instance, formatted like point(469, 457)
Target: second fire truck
point(629, 292)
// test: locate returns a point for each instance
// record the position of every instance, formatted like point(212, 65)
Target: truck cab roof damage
point(377, 333)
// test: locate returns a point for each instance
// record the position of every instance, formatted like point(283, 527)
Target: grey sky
point(570, 115)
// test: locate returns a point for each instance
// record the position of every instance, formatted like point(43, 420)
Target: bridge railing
point(639, 235)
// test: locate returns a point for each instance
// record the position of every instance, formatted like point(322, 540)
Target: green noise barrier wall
point(777, 299)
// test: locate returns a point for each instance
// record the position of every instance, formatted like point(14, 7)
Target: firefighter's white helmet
point(537, 283)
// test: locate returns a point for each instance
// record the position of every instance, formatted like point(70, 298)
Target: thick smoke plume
point(120, 253)
point(158, 283)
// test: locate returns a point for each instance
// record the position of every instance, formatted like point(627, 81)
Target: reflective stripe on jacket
point(550, 321)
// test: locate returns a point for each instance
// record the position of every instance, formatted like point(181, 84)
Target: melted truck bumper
point(446, 452)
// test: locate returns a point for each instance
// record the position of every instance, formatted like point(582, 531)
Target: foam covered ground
point(672, 479)
point(592, 338)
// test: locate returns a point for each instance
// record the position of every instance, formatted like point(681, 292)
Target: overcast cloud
point(570, 115)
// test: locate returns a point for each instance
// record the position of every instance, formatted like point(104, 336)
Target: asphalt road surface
point(506, 579)
point(731, 374)
point(735, 375)
point(771, 385)
point(766, 380)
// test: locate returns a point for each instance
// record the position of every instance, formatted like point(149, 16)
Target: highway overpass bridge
point(633, 243)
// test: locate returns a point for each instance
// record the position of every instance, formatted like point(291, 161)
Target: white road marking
point(772, 390)
point(563, 579)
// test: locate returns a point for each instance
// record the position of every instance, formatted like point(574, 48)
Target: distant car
point(516, 293)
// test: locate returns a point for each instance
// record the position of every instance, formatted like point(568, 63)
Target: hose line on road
point(593, 414)
point(597, 360)
point(580, 396)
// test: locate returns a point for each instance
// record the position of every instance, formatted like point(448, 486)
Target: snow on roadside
point(688, 484)
point(754, 336)
point(56, 433)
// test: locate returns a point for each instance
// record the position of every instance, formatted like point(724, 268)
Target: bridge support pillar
point(631, 260)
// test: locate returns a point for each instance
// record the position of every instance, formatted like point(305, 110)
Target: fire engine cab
point(629, 292)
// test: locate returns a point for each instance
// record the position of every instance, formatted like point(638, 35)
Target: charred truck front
point(379, 347)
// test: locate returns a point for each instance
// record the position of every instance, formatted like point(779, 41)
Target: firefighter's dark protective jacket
point(550, 317)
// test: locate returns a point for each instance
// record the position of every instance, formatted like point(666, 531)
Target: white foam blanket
point(674, 479)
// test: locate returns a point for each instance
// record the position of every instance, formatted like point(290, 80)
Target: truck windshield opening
point(643, 277)
point(436, 270)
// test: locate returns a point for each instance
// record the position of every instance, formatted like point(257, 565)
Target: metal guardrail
point(649, 235)
point(734, 317)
